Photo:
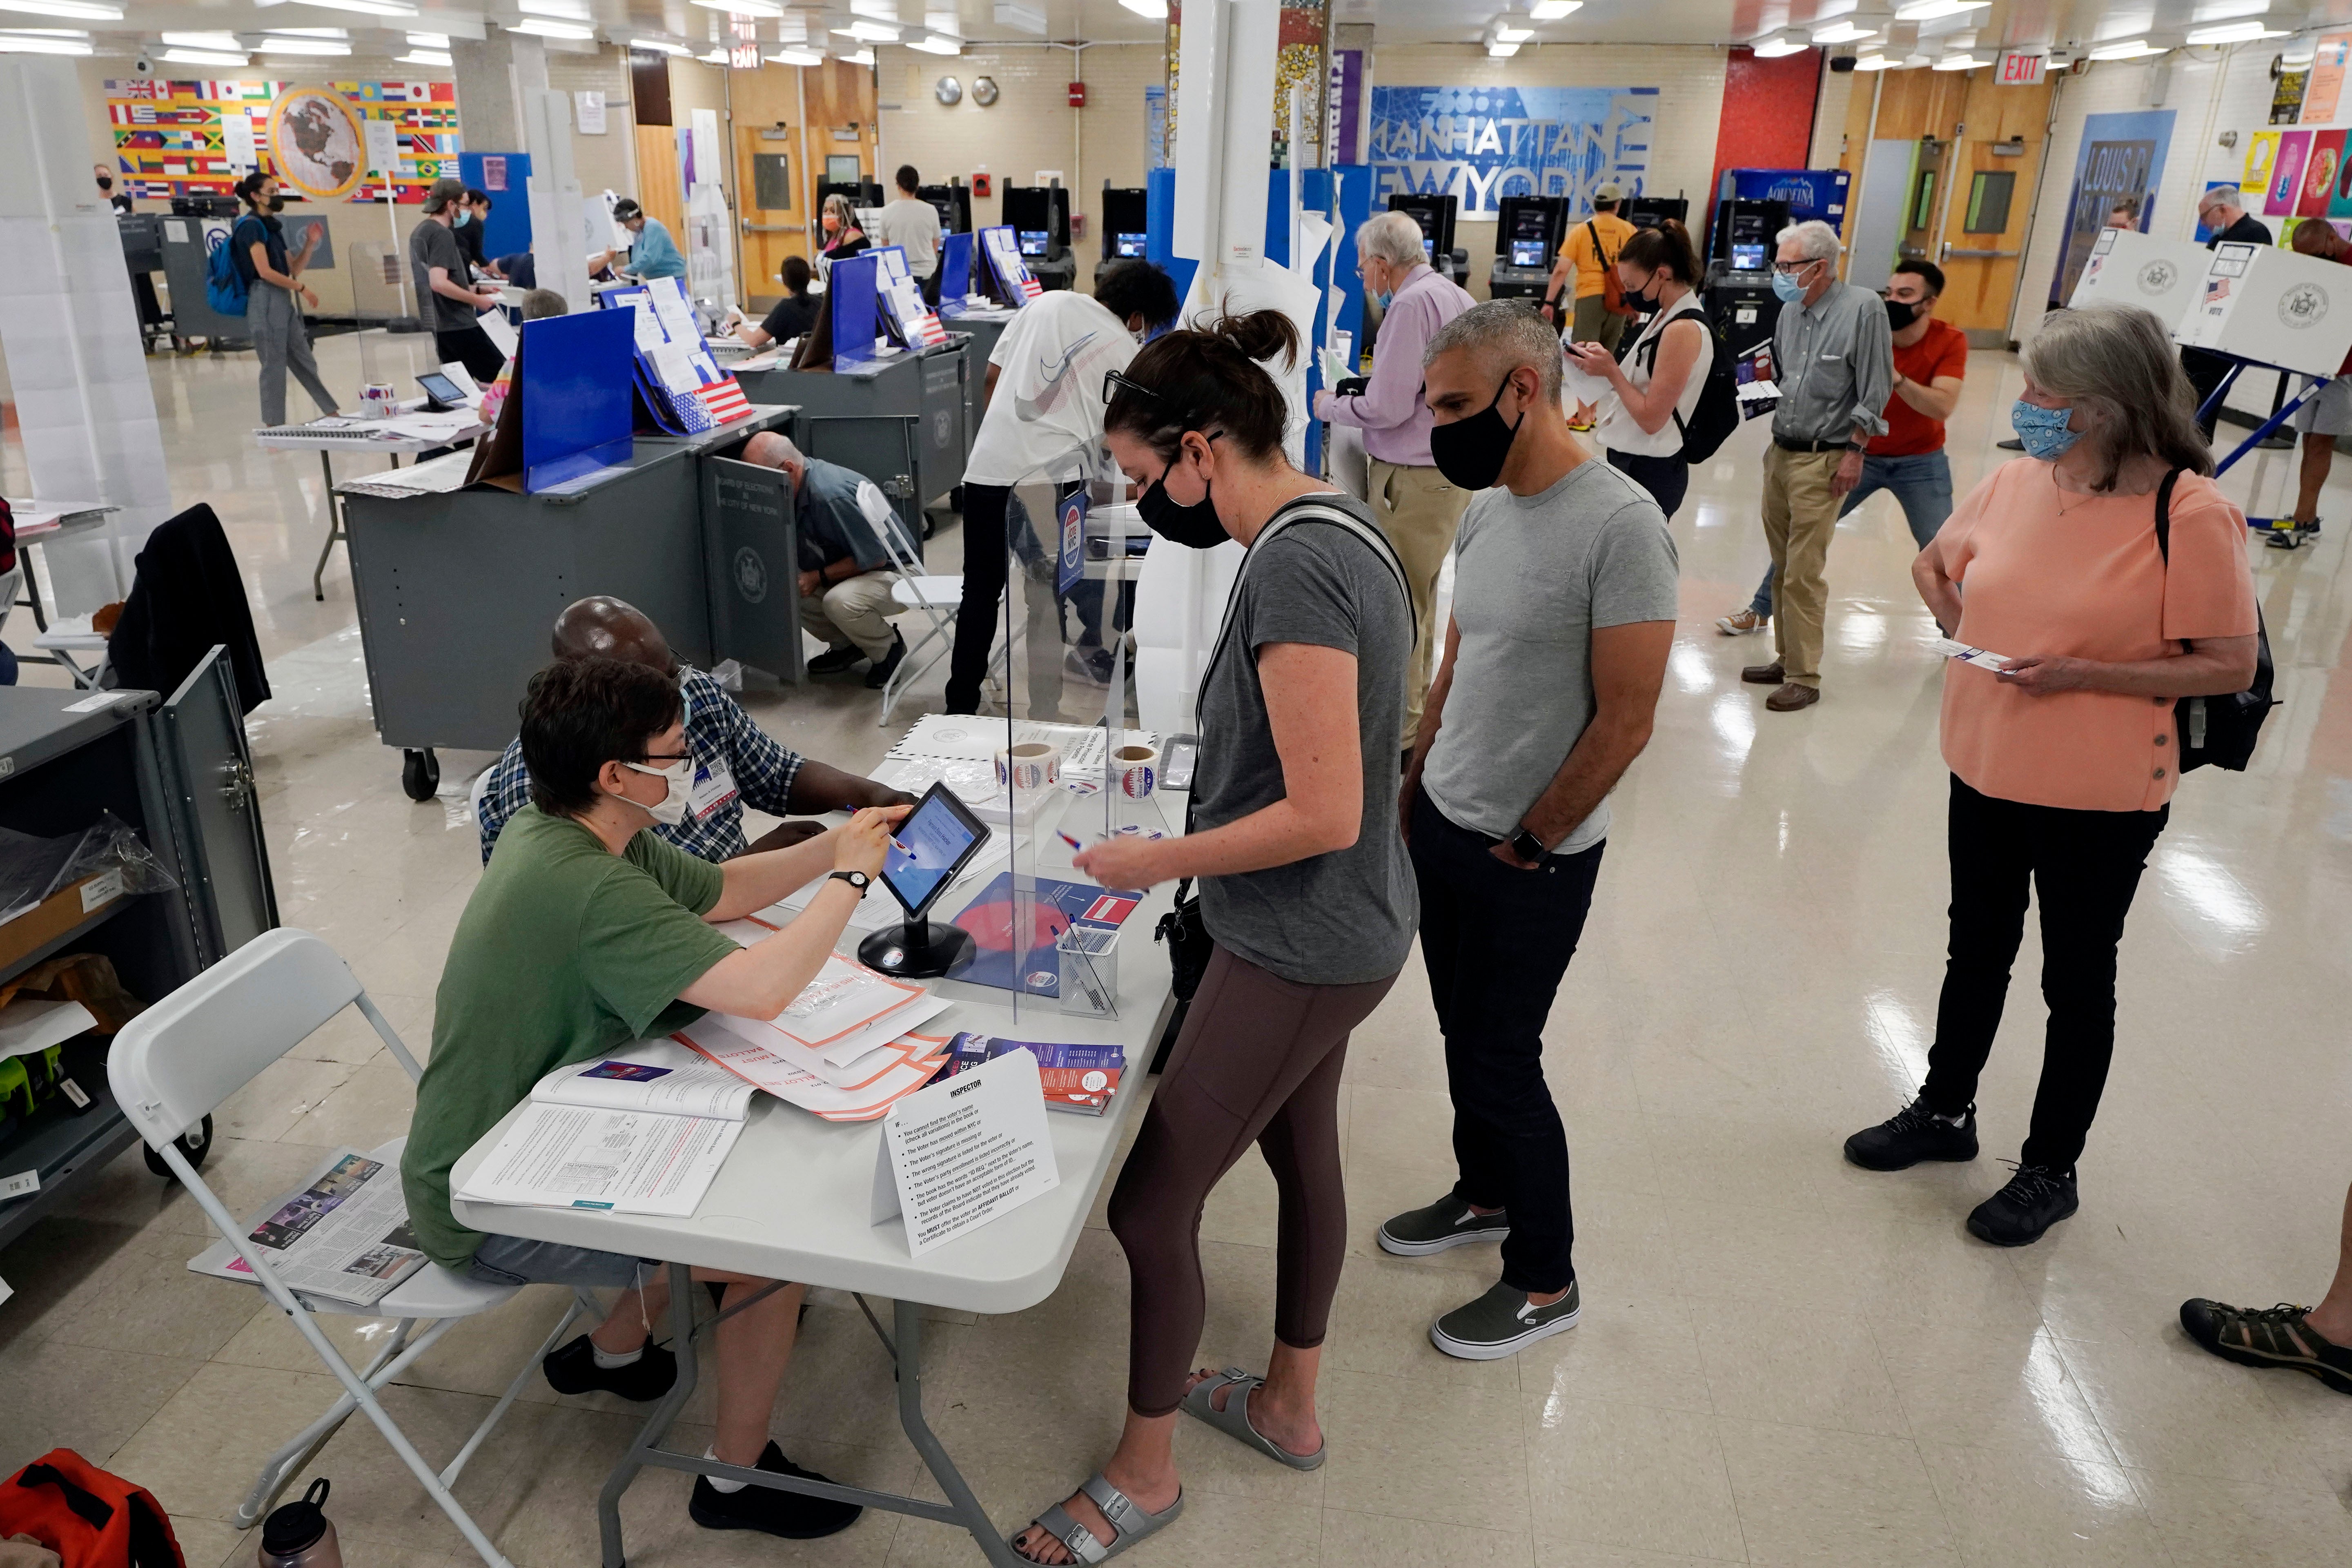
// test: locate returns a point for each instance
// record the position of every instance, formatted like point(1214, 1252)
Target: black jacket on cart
point(187, 597)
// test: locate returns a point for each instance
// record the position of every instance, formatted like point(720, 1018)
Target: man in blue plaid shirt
point(736, 763)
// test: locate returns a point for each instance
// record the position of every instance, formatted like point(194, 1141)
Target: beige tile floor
point(1783, 1360)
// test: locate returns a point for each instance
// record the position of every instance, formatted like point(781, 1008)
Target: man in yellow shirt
point(1593, 322)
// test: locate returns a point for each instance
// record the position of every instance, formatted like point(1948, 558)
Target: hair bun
point(1260, 335)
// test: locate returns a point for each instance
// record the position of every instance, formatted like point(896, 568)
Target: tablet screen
point(939, 835)
point(442, 388)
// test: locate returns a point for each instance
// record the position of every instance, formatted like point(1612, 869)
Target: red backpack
point(89, 1517)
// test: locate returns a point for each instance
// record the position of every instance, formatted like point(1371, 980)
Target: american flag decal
point(724, 400)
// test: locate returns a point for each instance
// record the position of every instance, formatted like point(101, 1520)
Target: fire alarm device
point(981, 184)
point(1077, 95)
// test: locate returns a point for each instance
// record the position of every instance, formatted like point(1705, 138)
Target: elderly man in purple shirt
point(1416, 508)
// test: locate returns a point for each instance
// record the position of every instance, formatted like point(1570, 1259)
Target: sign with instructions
point(965, 1150)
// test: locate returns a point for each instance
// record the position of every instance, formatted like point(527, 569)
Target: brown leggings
point(1258, 1061)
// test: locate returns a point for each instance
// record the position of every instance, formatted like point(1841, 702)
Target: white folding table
point(329, 435)
point(38, 524)
point(791, 1203)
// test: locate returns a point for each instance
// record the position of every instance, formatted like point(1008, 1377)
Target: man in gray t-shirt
point(1563, 615)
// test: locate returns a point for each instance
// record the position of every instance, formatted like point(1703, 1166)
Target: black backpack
point(1717, 414)
point(2222, 731)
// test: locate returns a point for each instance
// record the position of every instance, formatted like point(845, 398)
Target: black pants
point(2205, 371)
point(1664, 478)
point(984, 593)
point(2084, 866)
point(471, 347)
point(1496, 941)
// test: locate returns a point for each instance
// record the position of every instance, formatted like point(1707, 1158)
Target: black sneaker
point(832, 661)
point(879, 675)
point(573, 1369)
point(2275, 1337)
point(795, 1516)
point(2036, 1198)
point(1912, 1134)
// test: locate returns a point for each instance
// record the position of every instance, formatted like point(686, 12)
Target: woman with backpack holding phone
point(2098, 580)
point(1655, 391)
point(275, 296)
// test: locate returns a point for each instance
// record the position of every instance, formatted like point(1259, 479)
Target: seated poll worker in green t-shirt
point(585, 932)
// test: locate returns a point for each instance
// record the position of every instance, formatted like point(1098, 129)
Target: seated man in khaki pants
point(846, 577)
point(1413, 503)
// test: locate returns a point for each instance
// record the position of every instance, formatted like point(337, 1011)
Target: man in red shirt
point(2326, 413)
point(1930, 361)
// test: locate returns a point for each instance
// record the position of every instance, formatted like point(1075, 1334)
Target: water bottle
point(300, 1535)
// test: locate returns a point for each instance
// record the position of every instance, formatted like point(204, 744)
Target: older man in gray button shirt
point(1833, 357)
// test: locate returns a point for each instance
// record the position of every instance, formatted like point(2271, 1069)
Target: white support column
point(558, 241)
point(70, 333)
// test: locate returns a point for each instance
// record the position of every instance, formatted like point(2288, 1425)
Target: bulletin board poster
point(2121, 159)
point(172, 138)
point(1483, 143)
point(2286, 96)
point(2262, 157)
point(2286, 175)
point(2319, 172)
point(2326, 91)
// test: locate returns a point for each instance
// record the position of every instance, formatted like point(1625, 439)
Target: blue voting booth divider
point(955, 267)
point(849, 294)
point(575, 381)
point(509, 229)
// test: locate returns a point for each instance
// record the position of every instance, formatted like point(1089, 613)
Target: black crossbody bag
point(1182, 927)
point(2222, 730)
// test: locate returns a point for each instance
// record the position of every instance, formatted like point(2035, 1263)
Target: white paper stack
point(859, 1092)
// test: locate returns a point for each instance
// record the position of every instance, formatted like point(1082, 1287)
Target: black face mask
point(278, 204)
point(1471, 452)
point(1900, 315)
point(105, 184)
point(1195, 527)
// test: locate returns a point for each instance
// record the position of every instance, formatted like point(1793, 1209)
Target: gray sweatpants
point(284, 343)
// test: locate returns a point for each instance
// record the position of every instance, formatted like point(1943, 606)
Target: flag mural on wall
point(1483, 144)
point(174, 138)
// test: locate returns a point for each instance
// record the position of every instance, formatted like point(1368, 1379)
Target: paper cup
point(1136, 769)
point(1026, 768)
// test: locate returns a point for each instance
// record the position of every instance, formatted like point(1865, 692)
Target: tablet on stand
point(933, 844)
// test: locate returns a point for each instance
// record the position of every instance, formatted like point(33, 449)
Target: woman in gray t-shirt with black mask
point(1305, 888)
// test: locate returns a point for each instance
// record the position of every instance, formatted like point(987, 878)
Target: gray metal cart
point(176, 770)
point(900, 421)
point(456, 591)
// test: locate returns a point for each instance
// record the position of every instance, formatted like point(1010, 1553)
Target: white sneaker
point(1741, 624)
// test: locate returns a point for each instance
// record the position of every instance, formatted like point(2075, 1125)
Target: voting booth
point(2272, 307)
point(2128, 267)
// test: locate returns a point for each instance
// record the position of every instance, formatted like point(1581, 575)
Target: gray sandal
point(1125, 1516)
point(1233, 1419)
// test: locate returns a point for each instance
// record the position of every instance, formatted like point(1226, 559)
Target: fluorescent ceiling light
point(565, 10)
point(426, 57)
point(662, 46)
point(1772, 48)
point(868, 32)
point(303, 47)
point(1150, 10)
point(2234, 33)
point(715, 57)
point(222, 43)
point(1551, 10)
point(429, 40)
point(39, 44)
point(80, 10)
point(743, 8)
point(935, 45)
point(205, 58)
point(1840, 33)
point(308, 33)
point(948, 23)
point(1506, 34)
point(1959, 63)
point(1929, 10)
point(879, 10)
point(794, 57)
point(1027, 18)
point(1872, 63)
point(545, 28)
point(366, 7)
point(862, 57)
point(1501, 51)
point(2130, 49)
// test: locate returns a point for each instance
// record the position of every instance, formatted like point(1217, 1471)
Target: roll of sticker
point(1136, 769)
point(1029, 766)
point(379, 401)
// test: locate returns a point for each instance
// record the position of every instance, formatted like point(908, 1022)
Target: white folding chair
point(65, 638)
point(935, 596)
point(171, 1065)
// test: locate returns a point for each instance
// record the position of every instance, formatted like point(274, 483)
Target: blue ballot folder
point(573, 373)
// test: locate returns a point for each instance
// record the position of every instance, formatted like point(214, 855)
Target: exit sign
point(2020, 70)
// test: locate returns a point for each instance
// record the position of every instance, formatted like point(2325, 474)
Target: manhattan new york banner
point(1483, 143)
point(175, 138)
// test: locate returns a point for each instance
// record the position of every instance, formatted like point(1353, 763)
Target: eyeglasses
point(656, 757)
point(1113, 381)
point(1790, 269)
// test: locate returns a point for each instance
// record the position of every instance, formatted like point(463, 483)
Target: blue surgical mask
point(1788, 288)
point(1383, 297)
point(464, 217)
point(2043, 430)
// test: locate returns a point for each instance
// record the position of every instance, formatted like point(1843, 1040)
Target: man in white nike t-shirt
point(1043, 400)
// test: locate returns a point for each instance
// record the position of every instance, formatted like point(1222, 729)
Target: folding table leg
point(907, 1319)
point(649, 1437)
point(334, 525)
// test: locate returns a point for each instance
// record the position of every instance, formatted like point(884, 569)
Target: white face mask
point(670, 810)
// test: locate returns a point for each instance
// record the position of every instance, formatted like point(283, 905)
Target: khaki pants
point(852, 611)
point(1596, 324)
point(1800, 517)
point(1420, 512)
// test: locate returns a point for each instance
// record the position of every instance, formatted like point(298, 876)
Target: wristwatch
point(857, 879)
point(1528, 847)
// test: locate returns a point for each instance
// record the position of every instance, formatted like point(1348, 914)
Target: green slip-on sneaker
point(1448, 1222)
point(1502, 1322)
